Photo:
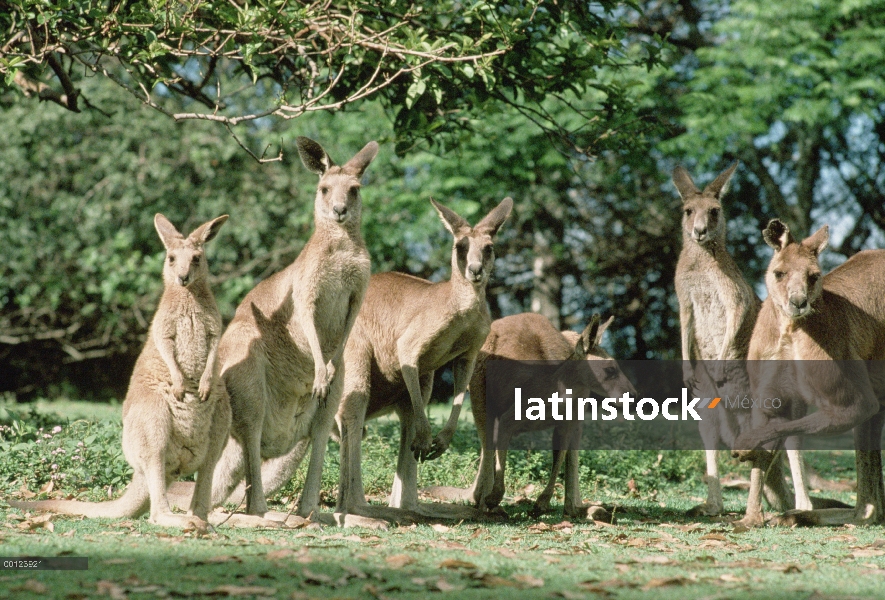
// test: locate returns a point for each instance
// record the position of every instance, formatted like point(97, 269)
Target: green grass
point(652, 552)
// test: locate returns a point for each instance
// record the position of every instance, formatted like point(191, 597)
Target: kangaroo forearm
point(352, 312)
point(212, 356)
point(413, 385)
point(166, 348)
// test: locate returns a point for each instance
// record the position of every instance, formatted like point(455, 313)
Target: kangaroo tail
point(134, 502)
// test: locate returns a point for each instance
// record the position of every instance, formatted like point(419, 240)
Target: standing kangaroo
point(810, 340)
point(281, 356)
point(176, 414)
point(407, 329)
point(531, 337)
point(717, 311)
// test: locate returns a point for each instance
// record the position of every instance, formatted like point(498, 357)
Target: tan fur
point(176, 415)
point(531, 337)
point(717, 311)
point(281, 356)
point(407, 329)
point(807, 317)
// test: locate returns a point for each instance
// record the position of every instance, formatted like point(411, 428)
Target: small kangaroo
point(717, 311)
point(176, 414)
point(531, 337)
point(281, 355)
point(407, 329)
point(823, 319)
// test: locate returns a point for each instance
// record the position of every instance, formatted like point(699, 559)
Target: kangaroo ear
point(684, 184)
point(719, 186)
point(313, 156)
point(818, 240)
point(208, 231)
point(358, 164)
point(452, 220)
point(588, 338)
point(493, 221)
point(166, 230)
point(777, 235)
point(602, 329)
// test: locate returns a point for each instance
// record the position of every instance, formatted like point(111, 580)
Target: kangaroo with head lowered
point(281, 356)
point(532, 337)
point(813, 342)
point(407, 329)
point(717, 311)
point(176, 415)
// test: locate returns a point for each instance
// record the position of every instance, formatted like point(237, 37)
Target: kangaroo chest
point(330, 290)
point(192, 342)
point(451, 341)
point(710, 312)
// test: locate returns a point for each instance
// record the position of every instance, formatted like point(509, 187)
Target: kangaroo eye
point(778, 275)
point(196, 260)
point(611, 373)
point(714, 212)
point(688, 212)
point(812, 279)
point(171, 260)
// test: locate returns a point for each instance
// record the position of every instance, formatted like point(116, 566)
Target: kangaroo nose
point(474, 270)
point(700, 231)
point(799, 300)
point(340, 210)
point(183, 280)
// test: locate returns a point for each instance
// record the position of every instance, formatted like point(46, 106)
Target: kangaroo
point(836, 321)
point(176, 414)
point(531, 337)
point(281, 356)
point(407, 329)
point(717, 311)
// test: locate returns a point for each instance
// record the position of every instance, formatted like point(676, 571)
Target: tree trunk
point(547, 287)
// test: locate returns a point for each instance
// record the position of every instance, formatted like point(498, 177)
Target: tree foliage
point(429, 64)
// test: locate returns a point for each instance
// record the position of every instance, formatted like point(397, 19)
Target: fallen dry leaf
point(493, 581)
point(241, 590)
point(454, 563)
point(659, 582)
point(440, 528)
point(24, 492)
point(316, 578)
point(714, 536)
point(109, 588)
point(529, 581)
point(398, 561)
point(867, 553)
point(729, 578)
point(445, 586)
point(32, 585)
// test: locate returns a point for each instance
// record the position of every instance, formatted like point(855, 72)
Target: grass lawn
point(652, 551)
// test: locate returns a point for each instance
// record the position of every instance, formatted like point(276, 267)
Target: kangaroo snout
point(340, 211)
point(798, 303)
point(474, 272)
point(700, 233)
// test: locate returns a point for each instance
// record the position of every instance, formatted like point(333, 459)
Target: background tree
point(428, 64)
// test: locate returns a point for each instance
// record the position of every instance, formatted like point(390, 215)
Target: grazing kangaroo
point(407, 329)
point(717, 311)
point(531, 337)
point(176, 415)
point(810, 340)
point(281, 356)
